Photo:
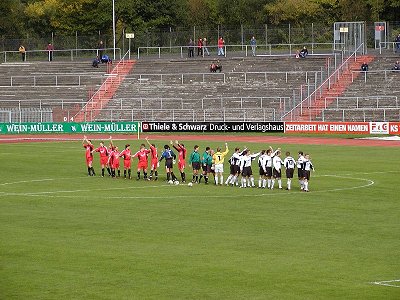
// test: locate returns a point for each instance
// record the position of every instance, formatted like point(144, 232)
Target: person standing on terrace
point(253, 44)
point(50, 50)
point(23, 52)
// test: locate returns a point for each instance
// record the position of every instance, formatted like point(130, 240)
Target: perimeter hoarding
point(343, 127)
point(93, 127)
point(213, 127)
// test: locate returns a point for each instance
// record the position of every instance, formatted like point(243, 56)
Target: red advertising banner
point(394, 128)
point(328, 127)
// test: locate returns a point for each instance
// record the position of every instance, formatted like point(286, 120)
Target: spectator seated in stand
point(95, 63)
point(304, 52)
point(216, 66)
point(364, 67)
point(396, 66)
point(105, 59)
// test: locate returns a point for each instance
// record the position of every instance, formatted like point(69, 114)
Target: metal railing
point(386, 45)
point(105, 85)
point(26, 115)
point(237, 50)
point(368, 74)
point(325, 86)
point(203, 103)
point(40, 103)
point(224, 76)
point(361, 114)
point(361, 102)
point(181, 115)
point(51, 80)
point(43, 55)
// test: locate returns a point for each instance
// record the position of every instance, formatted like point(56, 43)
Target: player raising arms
point(181, 158)
point(195, 162)
point(113, 160)
point(154, 164)
point(218, 160)
point(126, 154)
point(262, 161)
point(308, 166)
point(169, 156)
point(87, 144)
point(245, 168)
point(290, 164)
point(234, 162)
point(103, 157)
point(143, 163)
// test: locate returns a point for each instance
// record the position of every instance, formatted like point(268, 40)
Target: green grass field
point(68, 236)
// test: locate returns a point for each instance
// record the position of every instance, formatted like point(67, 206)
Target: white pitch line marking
point(387, 283)
point(52, 193)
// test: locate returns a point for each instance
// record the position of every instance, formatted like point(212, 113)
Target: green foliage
point(41, 17)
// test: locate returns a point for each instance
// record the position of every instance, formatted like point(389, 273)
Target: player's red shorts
point(154, 164)
point(103, 160)
point(89, 161)
point(116, 164)
point(181, 164)
point(142, 165)
point(127, 163)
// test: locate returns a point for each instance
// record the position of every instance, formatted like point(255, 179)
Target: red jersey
point(89, 149)
point(142, 155)
point(126, 154)
point(154, 154)
point(103, 151)
point(113, 158)
point(181, 152)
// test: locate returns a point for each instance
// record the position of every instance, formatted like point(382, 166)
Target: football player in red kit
point(126, 154)
point(181, 158)
point(103, 157)
point(87, 144)
point(143, 162)
point(113, 160)
point(154, 160)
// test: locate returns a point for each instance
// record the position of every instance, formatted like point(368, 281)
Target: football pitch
point(65, 235)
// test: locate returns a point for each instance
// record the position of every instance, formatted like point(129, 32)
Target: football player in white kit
point(277, 170)
point(300, 169)
point(290, 164)
point(245, 169)
point(308, 166)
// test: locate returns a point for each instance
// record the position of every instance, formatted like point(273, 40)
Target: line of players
point(210, 162)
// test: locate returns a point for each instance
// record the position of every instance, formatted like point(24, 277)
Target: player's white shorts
point(219, 168)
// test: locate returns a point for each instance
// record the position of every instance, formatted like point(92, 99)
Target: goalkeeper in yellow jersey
point(218, 161)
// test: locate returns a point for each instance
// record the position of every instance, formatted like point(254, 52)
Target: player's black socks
point(151, 174)
point(173, 176)
point(119, 173)
point(168, 176)
point(129, 173)
point(183, 176)
point(112, 172)
point(124, 173)
point(156, 175)
point(138, 175)
point(109, 171)
point(102, 172)
point(93, 172)
point(89, 171)
point(201, 176)
point(145, 175)
point(206, 179)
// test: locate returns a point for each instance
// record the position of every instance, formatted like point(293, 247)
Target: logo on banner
point(379, 128)
point(145, 126)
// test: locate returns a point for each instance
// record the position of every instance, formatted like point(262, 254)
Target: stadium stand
point(44, 86)
point(181, 85)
